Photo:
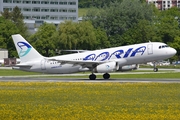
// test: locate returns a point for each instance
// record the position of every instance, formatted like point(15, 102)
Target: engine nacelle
point(107, 67)
point(129, 67)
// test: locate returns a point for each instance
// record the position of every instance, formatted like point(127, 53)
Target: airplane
point(97, 61)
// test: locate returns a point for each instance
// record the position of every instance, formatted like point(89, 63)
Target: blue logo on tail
point(25, 48)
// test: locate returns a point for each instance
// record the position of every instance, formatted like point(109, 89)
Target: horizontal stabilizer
point(22, 65)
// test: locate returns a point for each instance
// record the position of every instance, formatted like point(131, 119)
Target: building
point(164, 4)
point(36, 12)
point(3, 53)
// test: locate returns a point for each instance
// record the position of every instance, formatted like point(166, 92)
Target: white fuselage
point(131, 54)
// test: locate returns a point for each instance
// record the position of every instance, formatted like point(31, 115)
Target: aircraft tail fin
point(25, 51)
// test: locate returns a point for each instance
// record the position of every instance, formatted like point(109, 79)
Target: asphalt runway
point(43, 78)
point(135, 80)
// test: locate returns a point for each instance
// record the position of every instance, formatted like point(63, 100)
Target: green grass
point(83, 11)
point(169, 66)
point(11, 72)
point(67, 101)
point(147, 74)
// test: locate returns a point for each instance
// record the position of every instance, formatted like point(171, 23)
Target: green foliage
point(80, 35)
point(6, 14)
point(144, 31)
point(95, 3)
point(117, 18)
point(17, 18)
point(6, 30)
point(44, 39)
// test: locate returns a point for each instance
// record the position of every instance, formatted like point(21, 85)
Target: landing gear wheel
point(155, 69)
point(92, 77)
point(106, 76)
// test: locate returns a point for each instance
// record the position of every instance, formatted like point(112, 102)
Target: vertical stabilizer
point(25, 51)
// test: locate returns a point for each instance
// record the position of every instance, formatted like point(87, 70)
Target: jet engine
point(107, 67)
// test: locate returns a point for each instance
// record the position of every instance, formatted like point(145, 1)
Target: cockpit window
point(163, 46)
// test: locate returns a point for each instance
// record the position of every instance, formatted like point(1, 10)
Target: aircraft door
point(150, 49)
point(43, 65)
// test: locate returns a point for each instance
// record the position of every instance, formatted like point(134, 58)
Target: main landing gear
point(93, 76)
point(155, 68)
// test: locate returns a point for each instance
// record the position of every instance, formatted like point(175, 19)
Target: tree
point(7, 29)
point(117, 18)
point(176, 45)
point(6, 14)
point(95, 3)
point(67, 35)
point(168, 25)
point(17, 18)
point(44, 39)
point(81, 35)
point(144, 31)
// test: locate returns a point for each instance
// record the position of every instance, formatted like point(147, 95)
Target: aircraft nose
point(173, 51)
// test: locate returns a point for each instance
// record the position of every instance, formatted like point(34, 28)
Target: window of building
point(63, 3)
point(54, 2)
point(7, 1)
point(27, 1)
point(45, 10)
point(46, 17)
point(72, 18)
point(27, 17)
point(35, 2)
point(16, 1)
point(36, 17)
point(54, 17)
point(63, 17)
point(72, 10)
point(71, 3)
point(39, 21)
point(36, 9)
point(63, 10)
point(53, 10)
point(44, 2)
point(8, 8)
point(43, 17)
point(26, 9)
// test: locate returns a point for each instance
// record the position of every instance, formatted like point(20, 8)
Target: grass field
point(168, 74)
point(80, 101)
point(83, 11)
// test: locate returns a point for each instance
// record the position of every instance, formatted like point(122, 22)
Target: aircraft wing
point(88, 64)
point(76, 62)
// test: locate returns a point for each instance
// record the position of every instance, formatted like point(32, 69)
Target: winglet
point(25, 51)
